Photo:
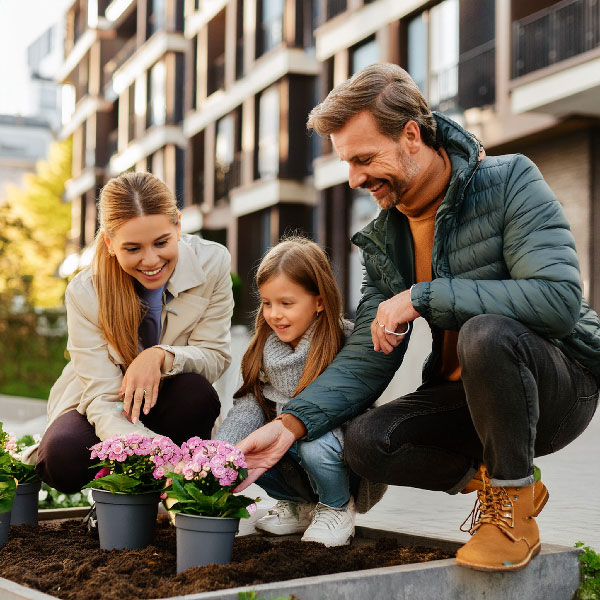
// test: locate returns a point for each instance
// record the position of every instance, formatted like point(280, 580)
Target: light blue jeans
point(322, 460)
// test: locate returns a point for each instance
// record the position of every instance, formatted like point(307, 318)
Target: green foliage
point(31, 362)
point(191, 499)
point(119, 482)
point(51, 498)
point(8, 485)
point(251, 595)
point(21, 472)
point(35, 223)
point(590, 574)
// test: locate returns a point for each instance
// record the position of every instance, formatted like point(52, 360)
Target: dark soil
point(62, 559)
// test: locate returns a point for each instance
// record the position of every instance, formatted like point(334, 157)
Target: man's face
point(376, 162)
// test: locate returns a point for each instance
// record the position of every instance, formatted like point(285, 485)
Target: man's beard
point(398, 187)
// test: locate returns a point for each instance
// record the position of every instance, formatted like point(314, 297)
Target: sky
point(21, 22)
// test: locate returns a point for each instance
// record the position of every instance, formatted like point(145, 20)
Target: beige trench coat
point(195, 330)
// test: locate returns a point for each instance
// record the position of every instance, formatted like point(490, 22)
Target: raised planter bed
point(553, 575)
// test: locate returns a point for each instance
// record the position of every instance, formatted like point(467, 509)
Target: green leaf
point(115, 482)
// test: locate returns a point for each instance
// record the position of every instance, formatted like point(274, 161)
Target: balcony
point(228, 177)
point(477, 77)
point(556, 60)
point(566, 29)
point(124, 53)
point(334, 8)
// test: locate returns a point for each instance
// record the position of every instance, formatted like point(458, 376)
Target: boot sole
point(504, 568)
point(541, 502)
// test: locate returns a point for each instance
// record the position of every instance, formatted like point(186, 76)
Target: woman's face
point(146, 248)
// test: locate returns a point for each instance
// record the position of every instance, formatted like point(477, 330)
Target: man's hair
point(388, 92)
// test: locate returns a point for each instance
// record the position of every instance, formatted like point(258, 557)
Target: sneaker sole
point(284, 532)
point(330, 545)
point(504, 568)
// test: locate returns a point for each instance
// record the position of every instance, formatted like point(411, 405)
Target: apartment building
point(124, 73)
point(212, 96)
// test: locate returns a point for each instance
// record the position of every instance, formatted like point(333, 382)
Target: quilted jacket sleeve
point(544, 288)
point(355, 378)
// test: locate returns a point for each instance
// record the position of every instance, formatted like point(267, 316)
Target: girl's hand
point(140, 383)
point(264, 448)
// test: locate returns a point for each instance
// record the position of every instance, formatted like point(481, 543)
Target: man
point(480, 247)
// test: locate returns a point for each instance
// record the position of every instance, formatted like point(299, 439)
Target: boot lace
point(493, 506)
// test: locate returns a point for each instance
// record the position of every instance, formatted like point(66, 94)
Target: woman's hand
point(140, 383)
point(393, 315)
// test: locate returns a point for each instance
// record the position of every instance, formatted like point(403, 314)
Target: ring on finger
point(380, 324)
point(398, 334)
point(145, 392)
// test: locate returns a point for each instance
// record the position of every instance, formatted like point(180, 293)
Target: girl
point(298, 331)
point(148, 332)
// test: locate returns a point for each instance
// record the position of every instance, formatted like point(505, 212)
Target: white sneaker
point(286, 518)
point(331, 526)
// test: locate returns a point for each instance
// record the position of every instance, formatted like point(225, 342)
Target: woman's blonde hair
point(305, 263)
point(119, 310)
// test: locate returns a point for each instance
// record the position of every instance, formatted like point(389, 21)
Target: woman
point(149, 332)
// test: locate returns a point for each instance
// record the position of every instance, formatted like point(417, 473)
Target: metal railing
point(477, 76)
point(228, 177)
point(216, 75)
point(556, 33)
point(125, 52)
point(334, 8)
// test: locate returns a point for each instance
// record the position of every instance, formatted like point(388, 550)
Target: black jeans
point(187, 405)
point(520, 397)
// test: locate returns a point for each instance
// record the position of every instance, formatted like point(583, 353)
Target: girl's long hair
point(119, 310)
point(305, 263)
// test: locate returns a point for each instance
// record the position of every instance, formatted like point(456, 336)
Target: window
point(364, 54)
point(156, 16)
point(268, 133)
point(454, 68)
point(227, 154)
point(157, 97)
point(270, 33)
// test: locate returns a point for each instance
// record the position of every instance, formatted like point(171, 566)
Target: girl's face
point(146, 248)
point(288, 308)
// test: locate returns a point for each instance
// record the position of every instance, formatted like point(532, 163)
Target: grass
point(31, 367)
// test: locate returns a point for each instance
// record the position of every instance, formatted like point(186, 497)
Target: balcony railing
point(228, 177)
point(549, 36)
point(124, 53)
point(216, 75)
point(477, 76)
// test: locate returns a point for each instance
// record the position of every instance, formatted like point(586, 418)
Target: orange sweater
point(420, 207)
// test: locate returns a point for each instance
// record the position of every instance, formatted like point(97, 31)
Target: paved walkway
point(571, 475)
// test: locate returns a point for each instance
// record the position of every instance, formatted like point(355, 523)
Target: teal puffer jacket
point(502, 246)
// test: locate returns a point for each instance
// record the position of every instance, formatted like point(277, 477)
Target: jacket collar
point(188, 272)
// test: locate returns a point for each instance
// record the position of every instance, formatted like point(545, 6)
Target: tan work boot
point(540, 491)
point(505, 534)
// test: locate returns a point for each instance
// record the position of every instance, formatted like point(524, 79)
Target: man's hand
point(263, 449)
point(140, 383)
point(394, 315)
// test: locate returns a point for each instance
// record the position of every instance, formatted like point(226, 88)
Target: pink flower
point(103, 472)
point(251, 508)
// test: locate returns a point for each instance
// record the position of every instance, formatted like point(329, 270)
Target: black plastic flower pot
point(204, 540)
point(25, 506)
point(125, 520)
point(4, 526)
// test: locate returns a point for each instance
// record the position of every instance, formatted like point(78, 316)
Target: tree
point(37, 225)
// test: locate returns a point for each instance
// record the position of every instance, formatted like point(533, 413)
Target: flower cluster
point(201, 458)
point(134, 463)
point(22, 472)
point(202, 482)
